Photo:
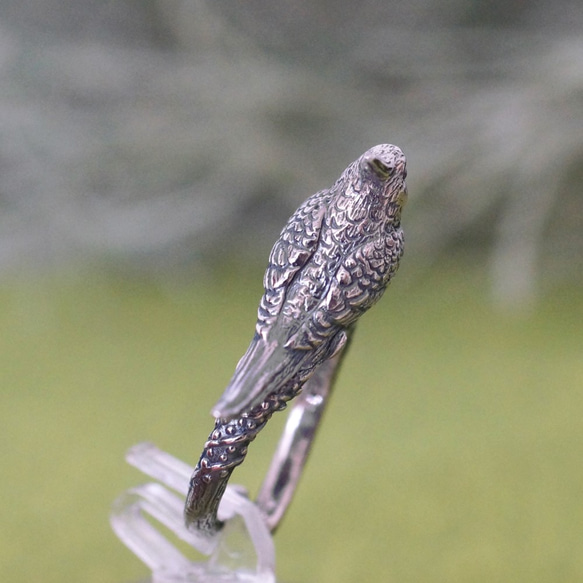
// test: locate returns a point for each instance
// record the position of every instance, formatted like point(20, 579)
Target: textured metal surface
point(331, 263)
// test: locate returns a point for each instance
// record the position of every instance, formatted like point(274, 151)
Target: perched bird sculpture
point(332, 262)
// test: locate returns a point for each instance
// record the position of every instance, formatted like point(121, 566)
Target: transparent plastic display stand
point(242, 551)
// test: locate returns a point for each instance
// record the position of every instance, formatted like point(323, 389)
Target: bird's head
point(383, 170)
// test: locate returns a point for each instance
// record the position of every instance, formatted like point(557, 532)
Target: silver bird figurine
point(332, 262)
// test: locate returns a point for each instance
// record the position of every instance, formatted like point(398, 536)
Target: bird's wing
point(267, 364)
point(357, 283)
point(291, 252)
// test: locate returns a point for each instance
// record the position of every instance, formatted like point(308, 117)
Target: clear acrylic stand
point(242, 552)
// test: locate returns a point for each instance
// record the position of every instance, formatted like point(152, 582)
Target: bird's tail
point(258, 373)
point(267, 367)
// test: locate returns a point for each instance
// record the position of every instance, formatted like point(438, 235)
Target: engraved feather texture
point(332, 262)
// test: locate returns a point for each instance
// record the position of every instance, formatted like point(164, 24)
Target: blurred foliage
point(161, 135)
point(450, 451)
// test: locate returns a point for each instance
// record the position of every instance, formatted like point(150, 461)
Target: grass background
point(452, 449)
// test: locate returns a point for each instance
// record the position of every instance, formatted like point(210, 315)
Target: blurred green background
point(451, 450)
point(150, 152)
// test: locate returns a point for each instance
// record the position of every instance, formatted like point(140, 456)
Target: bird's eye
point(380, 168)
